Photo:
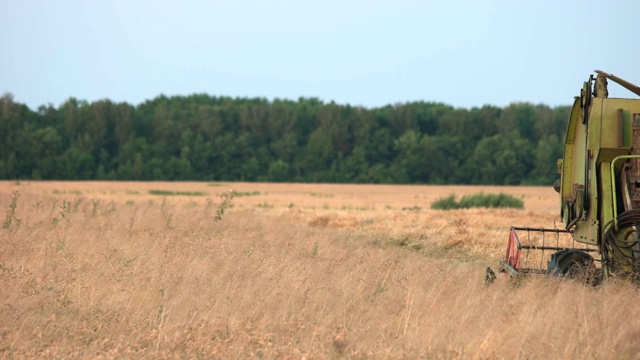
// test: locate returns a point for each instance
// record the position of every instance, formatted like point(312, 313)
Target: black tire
point(573, 264)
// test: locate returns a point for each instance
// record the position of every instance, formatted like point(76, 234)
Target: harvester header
point(599, 190)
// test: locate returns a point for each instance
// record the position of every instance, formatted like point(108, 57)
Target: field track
point(144, 270)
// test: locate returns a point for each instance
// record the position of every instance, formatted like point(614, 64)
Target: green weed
point(179, 193)
point(74, 192)
point(62, 243)
point(168, 216)
point(94, 208)
point(412, 208)
point(79, 199)
point(65, 208)
point(226, 197)
point(366, 208)
point(111, 209)
point(246, 193)
point(11, 218)
point(126, 262)
point(322, 195)
point(265, 206)
point(65, 301)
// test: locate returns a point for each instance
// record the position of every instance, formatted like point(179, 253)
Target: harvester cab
point(599, 189)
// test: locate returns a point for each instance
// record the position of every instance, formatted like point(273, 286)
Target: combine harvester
point(599, 189)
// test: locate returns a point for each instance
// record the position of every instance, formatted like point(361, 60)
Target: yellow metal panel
point(574, 148)
point(614, 134)
point(610, 105)
point(595, 124)
point(606, 195)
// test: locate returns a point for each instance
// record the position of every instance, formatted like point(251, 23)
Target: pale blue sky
point(369, 53)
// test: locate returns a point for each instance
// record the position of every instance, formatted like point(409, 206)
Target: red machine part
point(513, 250)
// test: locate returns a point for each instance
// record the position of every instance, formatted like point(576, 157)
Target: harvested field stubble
point(108, 270)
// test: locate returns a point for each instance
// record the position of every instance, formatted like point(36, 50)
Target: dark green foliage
point(478, 201)
point(206, 138)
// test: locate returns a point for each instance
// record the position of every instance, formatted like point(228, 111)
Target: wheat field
point(286, 271)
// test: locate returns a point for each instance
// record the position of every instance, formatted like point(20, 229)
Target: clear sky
point(368, 53)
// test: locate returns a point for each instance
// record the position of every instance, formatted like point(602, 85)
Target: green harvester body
point(599, 189)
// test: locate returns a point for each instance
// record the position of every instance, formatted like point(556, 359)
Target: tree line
point(208, 138)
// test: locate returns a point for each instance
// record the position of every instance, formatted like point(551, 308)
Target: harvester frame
point(561, 262)
point(599, 190)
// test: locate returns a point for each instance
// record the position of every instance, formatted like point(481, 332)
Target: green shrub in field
point(478, 200)
point(447, 203)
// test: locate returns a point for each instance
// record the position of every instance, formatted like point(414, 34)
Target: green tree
point(500, 160)
point(546, 155)
point(75, 164)
point(444, 157)
point(410, 164)
point(317, 157)
point(520, 117)
point(279, 171)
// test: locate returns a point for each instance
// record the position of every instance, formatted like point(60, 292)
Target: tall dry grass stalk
point(351, 275)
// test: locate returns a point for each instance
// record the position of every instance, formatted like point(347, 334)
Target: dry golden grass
point(107, 270)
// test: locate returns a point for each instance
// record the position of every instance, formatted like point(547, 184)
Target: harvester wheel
point(573, 264)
